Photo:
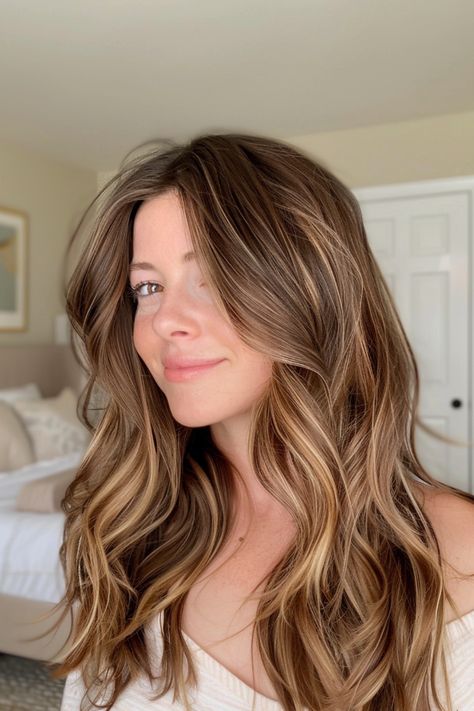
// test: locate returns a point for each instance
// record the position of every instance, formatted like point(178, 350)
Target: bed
point(40, 385)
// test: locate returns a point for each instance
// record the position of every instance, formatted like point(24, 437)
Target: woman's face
point(176, 317)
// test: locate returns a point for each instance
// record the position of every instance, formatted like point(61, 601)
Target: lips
point(189, 373)
point(179, 363)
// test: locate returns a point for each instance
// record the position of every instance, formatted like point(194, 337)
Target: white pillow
point(16, 450)
point(53, 425)
point(24, 392)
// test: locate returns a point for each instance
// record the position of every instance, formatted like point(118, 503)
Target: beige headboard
point(51, 366)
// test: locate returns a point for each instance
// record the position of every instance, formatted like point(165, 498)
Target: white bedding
point(29, 542)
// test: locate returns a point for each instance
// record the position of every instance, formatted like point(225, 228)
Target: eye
point(144, 289)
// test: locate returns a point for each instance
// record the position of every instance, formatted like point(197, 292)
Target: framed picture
point(13, 270)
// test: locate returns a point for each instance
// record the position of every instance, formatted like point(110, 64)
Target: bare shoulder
point(452, 519)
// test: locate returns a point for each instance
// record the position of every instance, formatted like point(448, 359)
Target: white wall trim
point(383, 192)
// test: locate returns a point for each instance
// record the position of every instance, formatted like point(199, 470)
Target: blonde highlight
point(352, 616)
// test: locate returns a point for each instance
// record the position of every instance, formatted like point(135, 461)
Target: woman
point(262, 521)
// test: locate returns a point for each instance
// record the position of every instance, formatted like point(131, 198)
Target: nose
point(176, 313)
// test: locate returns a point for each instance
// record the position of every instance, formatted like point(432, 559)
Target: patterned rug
point(27, 685)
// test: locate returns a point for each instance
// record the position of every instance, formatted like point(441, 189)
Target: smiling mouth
point(180, 374)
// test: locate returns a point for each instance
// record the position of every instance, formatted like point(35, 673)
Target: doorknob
point(456, 403)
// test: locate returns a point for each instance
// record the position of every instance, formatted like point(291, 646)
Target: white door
point(422, 246)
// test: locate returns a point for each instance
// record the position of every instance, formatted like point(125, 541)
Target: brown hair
point(352, 616)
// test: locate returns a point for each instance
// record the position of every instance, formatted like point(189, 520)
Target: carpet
point(27, 685)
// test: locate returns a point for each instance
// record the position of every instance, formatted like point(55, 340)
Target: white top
point(220, 690)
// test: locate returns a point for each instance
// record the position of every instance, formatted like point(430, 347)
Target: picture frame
point(13, 270)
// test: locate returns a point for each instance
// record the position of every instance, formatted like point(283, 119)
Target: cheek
point(254, 374)
point(262, 374)
point(140, 337)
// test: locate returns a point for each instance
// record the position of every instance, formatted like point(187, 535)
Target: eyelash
point(133, 290)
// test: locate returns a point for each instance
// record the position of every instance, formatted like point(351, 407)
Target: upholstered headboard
point(51, 366)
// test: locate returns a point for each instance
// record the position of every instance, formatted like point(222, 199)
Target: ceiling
point(85, 80)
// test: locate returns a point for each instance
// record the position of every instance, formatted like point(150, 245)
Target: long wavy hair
point(352, 615)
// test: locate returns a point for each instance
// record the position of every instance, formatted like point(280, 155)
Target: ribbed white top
point(220, 690)
point(460, 662)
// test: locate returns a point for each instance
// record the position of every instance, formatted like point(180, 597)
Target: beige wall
point(53, 196)
point(425, 149)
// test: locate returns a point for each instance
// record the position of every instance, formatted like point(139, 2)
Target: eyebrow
point(147, 265)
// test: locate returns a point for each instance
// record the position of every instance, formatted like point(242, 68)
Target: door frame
point(461, 184)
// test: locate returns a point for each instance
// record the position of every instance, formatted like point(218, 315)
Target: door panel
point(422, 246)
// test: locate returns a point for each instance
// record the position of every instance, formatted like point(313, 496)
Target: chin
point(191, 420)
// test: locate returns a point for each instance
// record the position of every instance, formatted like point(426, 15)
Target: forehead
point(160, 223)
point(159, 213)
